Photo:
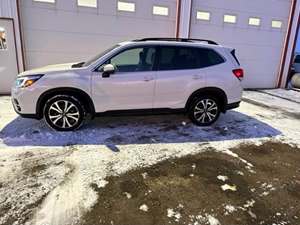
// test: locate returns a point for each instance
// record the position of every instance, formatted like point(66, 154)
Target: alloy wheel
point(63, 114)
point(206, 111)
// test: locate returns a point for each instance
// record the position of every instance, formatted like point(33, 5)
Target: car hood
point(48, 69)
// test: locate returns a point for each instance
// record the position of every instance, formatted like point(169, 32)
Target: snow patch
point(229, 209)
point(144, 208)
point(101, 183)
point(212, 220)
point(227, 187)
point(222, 178)
point(171, 213)
point(128, 195)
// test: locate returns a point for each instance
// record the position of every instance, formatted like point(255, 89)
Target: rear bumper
point(233, 105)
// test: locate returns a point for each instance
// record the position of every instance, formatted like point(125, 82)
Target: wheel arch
point(81, 95)
point(212, 91)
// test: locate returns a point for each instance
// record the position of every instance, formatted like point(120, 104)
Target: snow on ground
point(65, 165)
point(279, 99)
point(285, 94)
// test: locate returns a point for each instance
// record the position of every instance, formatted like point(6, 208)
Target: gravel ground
point(156, 169)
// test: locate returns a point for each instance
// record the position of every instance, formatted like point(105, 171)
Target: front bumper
point(24, 102)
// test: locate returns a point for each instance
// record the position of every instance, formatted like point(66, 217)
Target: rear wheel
point(204, 111)
point(64, 113)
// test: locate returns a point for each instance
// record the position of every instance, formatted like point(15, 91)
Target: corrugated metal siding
point(8, 8)
point(258, 48)
point(64, 32)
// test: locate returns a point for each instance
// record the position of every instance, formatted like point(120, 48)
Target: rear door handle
point(197, 77)
point(147, 79)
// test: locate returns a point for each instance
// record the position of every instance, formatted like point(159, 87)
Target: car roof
point(171, 43)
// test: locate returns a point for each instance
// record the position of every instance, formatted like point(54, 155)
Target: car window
point(180, 58)
point(297, 59)
point(134, 60)
point(209, 57)
point(95, 58)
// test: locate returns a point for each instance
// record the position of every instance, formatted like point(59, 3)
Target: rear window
point(180, 58)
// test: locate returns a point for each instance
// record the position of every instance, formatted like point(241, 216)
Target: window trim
point(227, 14)
point(203, 11)
point(277, 20)
point(126, 11)
point(254, 25)
point(161, 6)
point(44, 2)
point(85, 6)
point(96, 69)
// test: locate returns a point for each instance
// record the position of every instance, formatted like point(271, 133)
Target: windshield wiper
point(78, 65)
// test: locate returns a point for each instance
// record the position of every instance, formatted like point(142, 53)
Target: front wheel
point(204, 111)
point(64, 113)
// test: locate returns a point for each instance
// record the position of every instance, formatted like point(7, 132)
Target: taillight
point(239, 73)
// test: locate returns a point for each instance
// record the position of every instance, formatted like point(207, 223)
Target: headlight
point(23, 82)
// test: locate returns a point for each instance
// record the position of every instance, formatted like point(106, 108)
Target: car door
point(132, 84)
point(178, 74)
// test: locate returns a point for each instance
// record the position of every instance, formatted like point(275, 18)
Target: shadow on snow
point(113, 131)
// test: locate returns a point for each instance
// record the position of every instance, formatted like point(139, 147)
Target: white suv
point(153, 75)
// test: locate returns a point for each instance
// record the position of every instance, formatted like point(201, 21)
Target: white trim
point(185, 18)
point(159, 10)
point(203, 15)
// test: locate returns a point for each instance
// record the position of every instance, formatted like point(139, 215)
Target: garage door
point(62, 30)
point(8, 58)
point(255, 28)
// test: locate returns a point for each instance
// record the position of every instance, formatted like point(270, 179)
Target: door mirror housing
point(108, 70)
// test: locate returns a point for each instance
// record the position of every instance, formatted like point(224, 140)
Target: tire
point(204, 110)
point(64, 113)
point(296, 80)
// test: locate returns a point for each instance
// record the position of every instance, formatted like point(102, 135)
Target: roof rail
point(178, 40)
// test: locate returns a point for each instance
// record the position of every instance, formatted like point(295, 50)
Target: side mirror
point(108, 70)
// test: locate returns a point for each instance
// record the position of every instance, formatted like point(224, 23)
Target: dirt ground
point(189, 189)
point(160, 170)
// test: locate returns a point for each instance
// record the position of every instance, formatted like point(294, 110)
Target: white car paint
point(133, 90)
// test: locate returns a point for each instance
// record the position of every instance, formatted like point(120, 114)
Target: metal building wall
point(9, 9)
point(258, 48)
point(63, 32)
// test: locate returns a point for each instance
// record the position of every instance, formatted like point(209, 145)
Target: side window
point(3, 45)
point(208, 57)
point(134, 60)
point(183, 58)
point(187, 58)
point(167, 58)
point(178, 58)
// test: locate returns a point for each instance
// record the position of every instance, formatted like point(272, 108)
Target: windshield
point(90, 61)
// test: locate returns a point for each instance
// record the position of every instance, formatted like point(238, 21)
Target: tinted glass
point(180, 58)
point(134, 60)
point(209, 57)
point(297, 59)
